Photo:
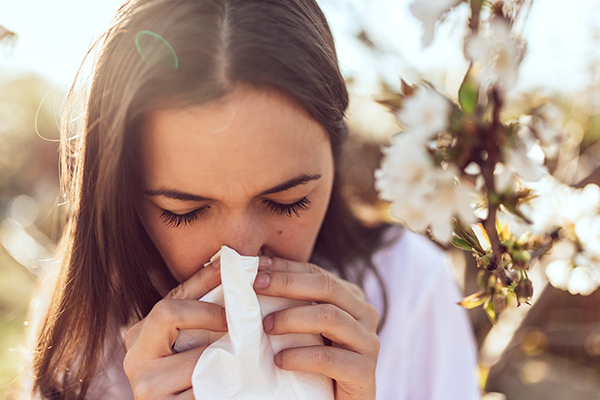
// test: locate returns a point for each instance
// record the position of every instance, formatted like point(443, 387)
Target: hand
point(154, 370)
point(341, 315)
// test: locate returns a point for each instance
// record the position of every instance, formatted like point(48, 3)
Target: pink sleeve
point(110, 382)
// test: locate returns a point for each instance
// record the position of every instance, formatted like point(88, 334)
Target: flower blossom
point(426, 112)
point(545, 209)
point(559, 206)
point(547, 124)
point(498, 53)
point(422, 194)
point(574, 276)
point(429, 12)
point(526, 159)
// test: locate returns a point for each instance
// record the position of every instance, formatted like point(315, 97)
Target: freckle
point(280, 232)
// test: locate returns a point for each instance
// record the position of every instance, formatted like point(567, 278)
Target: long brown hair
point(173, 53)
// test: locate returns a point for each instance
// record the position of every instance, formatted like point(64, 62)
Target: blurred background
point(551, 353)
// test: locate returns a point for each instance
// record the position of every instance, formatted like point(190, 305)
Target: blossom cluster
point(423, 193)
point(459, 173)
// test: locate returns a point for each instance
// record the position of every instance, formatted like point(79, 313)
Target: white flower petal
point(503, 178)
point(497, 53)
point(558, 273)
point(580, 282)
point(441, 229)
point(426, 112)
point(527, 168)
point(429, 12)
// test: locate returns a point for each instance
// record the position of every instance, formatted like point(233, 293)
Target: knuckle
point(280, 264)
point(324, 357)
point(327, 283)
point(131, 335)
point(165, 312)
point(313, 268)
point(216, 313)
point(177, 292)
point(286, 281)
point(329, 315)
point(286, 265)
point(129, 364)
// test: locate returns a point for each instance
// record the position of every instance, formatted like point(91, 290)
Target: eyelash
point(287, 209)
point(176, 220)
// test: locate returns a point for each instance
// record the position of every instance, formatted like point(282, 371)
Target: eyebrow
point(287, 185)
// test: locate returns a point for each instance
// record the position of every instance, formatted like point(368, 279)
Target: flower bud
point(524, 291)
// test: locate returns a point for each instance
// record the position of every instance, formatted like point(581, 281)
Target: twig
point(475, 11)
point(491, 142)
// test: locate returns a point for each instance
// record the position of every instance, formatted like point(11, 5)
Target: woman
point(220, 122)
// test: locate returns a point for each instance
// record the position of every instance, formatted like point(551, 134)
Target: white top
point(427, 346)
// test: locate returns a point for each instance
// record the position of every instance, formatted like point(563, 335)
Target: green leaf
point(474, 300)
point(489, 310)
point(483, 261)
point(468, 94)
point(469, 236)
point(481, 282)
point(461, 244)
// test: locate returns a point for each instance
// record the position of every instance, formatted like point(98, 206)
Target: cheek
point(178, 247)
point(181, 251)
point(294, 238)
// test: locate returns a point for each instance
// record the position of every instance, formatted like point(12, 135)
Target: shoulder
point(408, 253)
point(412, 268)
point(110, 381)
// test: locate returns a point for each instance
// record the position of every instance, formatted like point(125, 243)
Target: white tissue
point(239, 364)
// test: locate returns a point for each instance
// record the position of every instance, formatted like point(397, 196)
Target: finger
point(168, 317)
point(324, 319)
point(175, 373)
point(184, 363)
point(199, 284)
point(280, 264)
point(320, 288)
point(333, 362)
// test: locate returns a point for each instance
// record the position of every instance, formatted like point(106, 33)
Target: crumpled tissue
point(239, 364)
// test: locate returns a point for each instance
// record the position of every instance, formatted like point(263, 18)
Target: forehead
point(244, 143)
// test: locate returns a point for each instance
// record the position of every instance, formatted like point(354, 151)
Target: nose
point(244, 233)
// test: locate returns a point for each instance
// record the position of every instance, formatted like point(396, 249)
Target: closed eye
point(287, 209)
point(176, 220)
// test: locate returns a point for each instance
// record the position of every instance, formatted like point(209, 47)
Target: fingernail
point(265, 261)
point(278, 359)
point(268, 323)
point(224, 318)
point(261, 281)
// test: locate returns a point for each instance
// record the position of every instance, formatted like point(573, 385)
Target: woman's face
point(251, 171)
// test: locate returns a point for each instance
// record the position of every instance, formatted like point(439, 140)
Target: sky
point(563, 41)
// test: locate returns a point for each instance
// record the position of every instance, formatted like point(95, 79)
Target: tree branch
point(491, 142)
